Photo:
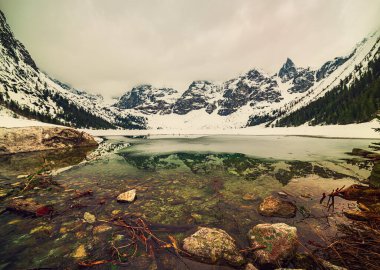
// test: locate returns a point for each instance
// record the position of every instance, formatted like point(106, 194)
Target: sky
point(110, 46)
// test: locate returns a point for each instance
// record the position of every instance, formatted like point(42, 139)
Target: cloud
point(109, 46)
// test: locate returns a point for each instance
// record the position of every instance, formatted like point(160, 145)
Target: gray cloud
point(109, 46)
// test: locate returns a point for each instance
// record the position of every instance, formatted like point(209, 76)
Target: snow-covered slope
point(27, 91)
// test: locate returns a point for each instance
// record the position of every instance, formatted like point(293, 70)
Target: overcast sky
point(109, 46)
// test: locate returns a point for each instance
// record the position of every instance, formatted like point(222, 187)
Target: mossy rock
point(213, 246)
point(276, 243)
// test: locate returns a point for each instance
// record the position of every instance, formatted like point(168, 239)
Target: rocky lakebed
point(212, 202)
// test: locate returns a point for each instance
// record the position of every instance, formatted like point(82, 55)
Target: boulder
point(275, 207)
point(275, 243)
point(128, 196)
point(213, 246)
point(29, 139)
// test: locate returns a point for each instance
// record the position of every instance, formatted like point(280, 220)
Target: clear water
point(183, 182)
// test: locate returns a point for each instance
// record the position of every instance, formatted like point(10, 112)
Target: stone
point(275, 207)
point(128, 196)
point(30, 139)
point(44, 229)
point(101, 229)
point(280, 241)
point(80, 252)
point(213, 246)
point(29, 207)
point(250, 266)
point(89, 218)
point(249, 197)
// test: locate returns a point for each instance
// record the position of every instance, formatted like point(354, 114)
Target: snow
point(363, 130)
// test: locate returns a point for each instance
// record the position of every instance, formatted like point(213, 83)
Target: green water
point(215, 181)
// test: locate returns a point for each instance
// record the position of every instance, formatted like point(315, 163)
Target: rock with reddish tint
point(29, 207)
point(278, 244)
point(213, 246)
point(275, 207)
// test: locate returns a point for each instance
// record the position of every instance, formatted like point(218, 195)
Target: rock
point(250, 266)
point(29, 207)
point(361, 215)
point(275, 207)
point(282, 194)
point(29, 139)
point(128, 196)
point(89, 218)
point(280, 241)
point(80, 252)
point(361, 152)
point(329, 266)
point(374, 179)
point(249, 197)
point(214, 246)
point(44, 228)
point(101, 229)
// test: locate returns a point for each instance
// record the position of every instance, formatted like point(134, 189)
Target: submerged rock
point(89, 218)
point(249, 197)
point(29, 207)
point(80, 252)
point(128, 196)
point(250, 266)
point(214, 246)
point(280, 241)
point(275, 207)
point(29, 139)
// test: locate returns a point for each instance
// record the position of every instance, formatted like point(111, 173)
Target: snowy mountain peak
point(288, 71)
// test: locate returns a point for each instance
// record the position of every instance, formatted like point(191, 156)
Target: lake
point(181, 182)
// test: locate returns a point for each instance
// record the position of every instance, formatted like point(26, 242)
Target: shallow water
point(215, 181)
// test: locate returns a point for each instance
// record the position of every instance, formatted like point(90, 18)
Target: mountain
point(252, 98)
point(294, 95)
point(29, 92)
point(355, 100)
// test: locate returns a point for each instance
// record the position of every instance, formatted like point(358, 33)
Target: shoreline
point(350, 131)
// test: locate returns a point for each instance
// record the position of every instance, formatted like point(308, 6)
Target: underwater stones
point(128, 196)
point(29, 207)
point(214, 246)
point(89, 218)
point(42, 229)
point(280, 241)
point(275, 207)
point(80, 252)
point(250, 266)
point(101, 229)
point(249, 197)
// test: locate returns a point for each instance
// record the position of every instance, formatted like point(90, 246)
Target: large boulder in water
point(275, 207)
point(213, 246)
point(29, 139)
point(276, 243)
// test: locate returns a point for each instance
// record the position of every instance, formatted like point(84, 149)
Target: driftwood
point(363, 194)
